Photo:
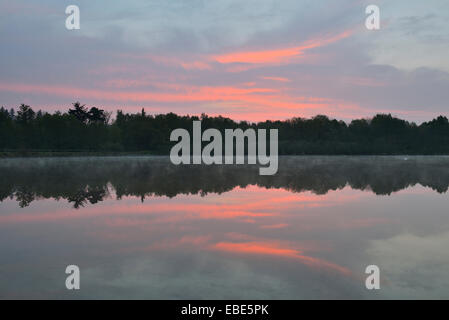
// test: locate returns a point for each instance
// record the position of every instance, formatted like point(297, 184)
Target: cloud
point(281, 79)
point(273, 249)
point(281, 55)
point(254, 59)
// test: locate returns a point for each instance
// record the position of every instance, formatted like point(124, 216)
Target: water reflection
point(82, 181)
point(144, 228)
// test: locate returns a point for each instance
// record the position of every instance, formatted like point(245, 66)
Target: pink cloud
point(280, 79)
point(255, 103)
point(281, 55)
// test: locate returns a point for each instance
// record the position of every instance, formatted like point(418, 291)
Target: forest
point(83, 129)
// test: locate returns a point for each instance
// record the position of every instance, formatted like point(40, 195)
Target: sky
point(248, 60)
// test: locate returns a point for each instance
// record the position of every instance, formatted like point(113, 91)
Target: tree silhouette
point(84, 129)
point(79, 112)
point(96, 115)
point(25, 115)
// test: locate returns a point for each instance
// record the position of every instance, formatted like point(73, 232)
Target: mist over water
point(141, 227)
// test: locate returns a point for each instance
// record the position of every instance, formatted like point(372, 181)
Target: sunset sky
point(248, 60)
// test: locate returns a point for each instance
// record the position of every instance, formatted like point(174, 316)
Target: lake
point(142, 228)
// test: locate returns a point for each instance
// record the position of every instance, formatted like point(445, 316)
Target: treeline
point(92, 129)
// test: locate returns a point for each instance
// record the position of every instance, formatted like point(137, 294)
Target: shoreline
point(57, 154)
point(74, 154)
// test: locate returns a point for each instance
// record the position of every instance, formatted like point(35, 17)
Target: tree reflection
point(89, 194)
point(89, 180)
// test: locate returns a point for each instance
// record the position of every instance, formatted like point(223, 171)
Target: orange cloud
point(278, 55)
point(189, 93)
point(258, 103)
point(280, 79)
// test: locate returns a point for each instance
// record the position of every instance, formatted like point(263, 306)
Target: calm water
point(139, 227)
